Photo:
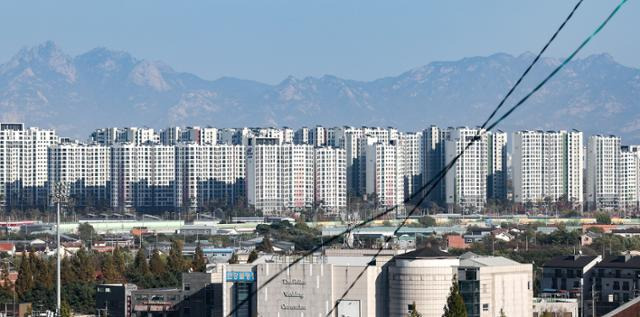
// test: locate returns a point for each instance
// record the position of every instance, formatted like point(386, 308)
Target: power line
point(504, 116)
point(444, 171)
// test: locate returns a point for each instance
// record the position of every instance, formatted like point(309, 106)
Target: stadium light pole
point(59, 196)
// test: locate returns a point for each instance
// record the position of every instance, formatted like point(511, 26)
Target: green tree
point(86, 232)
point(140, 265)
point(65, 310)
point(455, 304)
point(119, 260)
point(265, 245)
point(24, 283)
point(603, 218)
point(110, 273)
point(413, 312)
point(7, 290)
point(252, 256)
point(199, 263)
point(84, 266)
point(427, 221)
point(234, 259)
point(156, 264)
point(175, 260)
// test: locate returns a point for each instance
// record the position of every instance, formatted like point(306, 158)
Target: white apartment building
point(23, 165)
point(603, 159)
point(466, 182)
point(318, 136)
point(296, 174)
point(433, 139)
point(170, 135)
point(209, 175)
point(142, 176)
point(628, 178)
point(547, 166)
point(412, 162)
point(135, 135)
point(264, 178)
point(105, 136)
point(139, 135)
point(330, 179)
point(84, 169)
point(301, 136)
point(497, 160)
point(384, 173)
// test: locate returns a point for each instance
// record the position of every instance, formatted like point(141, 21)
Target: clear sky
point(269, 40)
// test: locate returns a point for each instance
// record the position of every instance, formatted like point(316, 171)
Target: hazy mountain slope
point(43, 86)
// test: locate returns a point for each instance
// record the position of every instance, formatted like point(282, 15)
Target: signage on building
point(240, 277)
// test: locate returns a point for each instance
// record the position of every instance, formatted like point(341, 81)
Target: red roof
point(455, 241)
point(7, 247)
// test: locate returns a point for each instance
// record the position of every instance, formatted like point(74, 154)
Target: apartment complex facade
point(548, 167)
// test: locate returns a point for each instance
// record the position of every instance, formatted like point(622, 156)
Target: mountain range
point(43, 86)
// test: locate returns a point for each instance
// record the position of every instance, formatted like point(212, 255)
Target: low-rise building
point(617, 281)
point(569, 276)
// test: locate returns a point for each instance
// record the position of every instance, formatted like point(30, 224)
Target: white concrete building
point(603, 170)
point(384, 173)
point(142, 176)
point(547, 166)
point(85, 169)
point(412, 162)
point(24, 165)
point(497, 160)
point(263, 178)
point(433, 139)
point(466, 182)
point(628, 178)
point(296, 174)
point(330, 169)
point(209, 175)
point(318, 136)
point(170, 135)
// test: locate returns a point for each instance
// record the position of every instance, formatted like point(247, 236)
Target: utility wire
point(434, 180)
point(493, 125)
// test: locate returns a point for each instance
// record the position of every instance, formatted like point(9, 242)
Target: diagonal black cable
point(436, 179)
point(535, 60)
point(493, 125)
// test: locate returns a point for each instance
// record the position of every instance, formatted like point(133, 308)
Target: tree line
point(83, 271)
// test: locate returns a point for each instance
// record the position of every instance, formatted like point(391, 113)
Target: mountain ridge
point(44, 86)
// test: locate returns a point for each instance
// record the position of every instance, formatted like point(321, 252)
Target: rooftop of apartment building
point(471, 259)
point(570, 261)
point(620, 262)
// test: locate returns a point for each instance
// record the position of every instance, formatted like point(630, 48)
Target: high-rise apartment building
point(384, 173)
point(603, 170)
point(628, 178)
point(142, 176)
point(264, 180)
point(24, 165)
point(412, 161)
point(433, 162)
point(330, 178)
point(296, 173)
point(209, 175)
point(84, 169)
point(497, 160)
point(466, 182)
point(547, 166)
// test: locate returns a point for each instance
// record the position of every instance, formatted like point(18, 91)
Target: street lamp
point(60, 195)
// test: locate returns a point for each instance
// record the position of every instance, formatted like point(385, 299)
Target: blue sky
point(269, 40)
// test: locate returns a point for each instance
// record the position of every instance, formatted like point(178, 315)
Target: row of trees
point(81, 272)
